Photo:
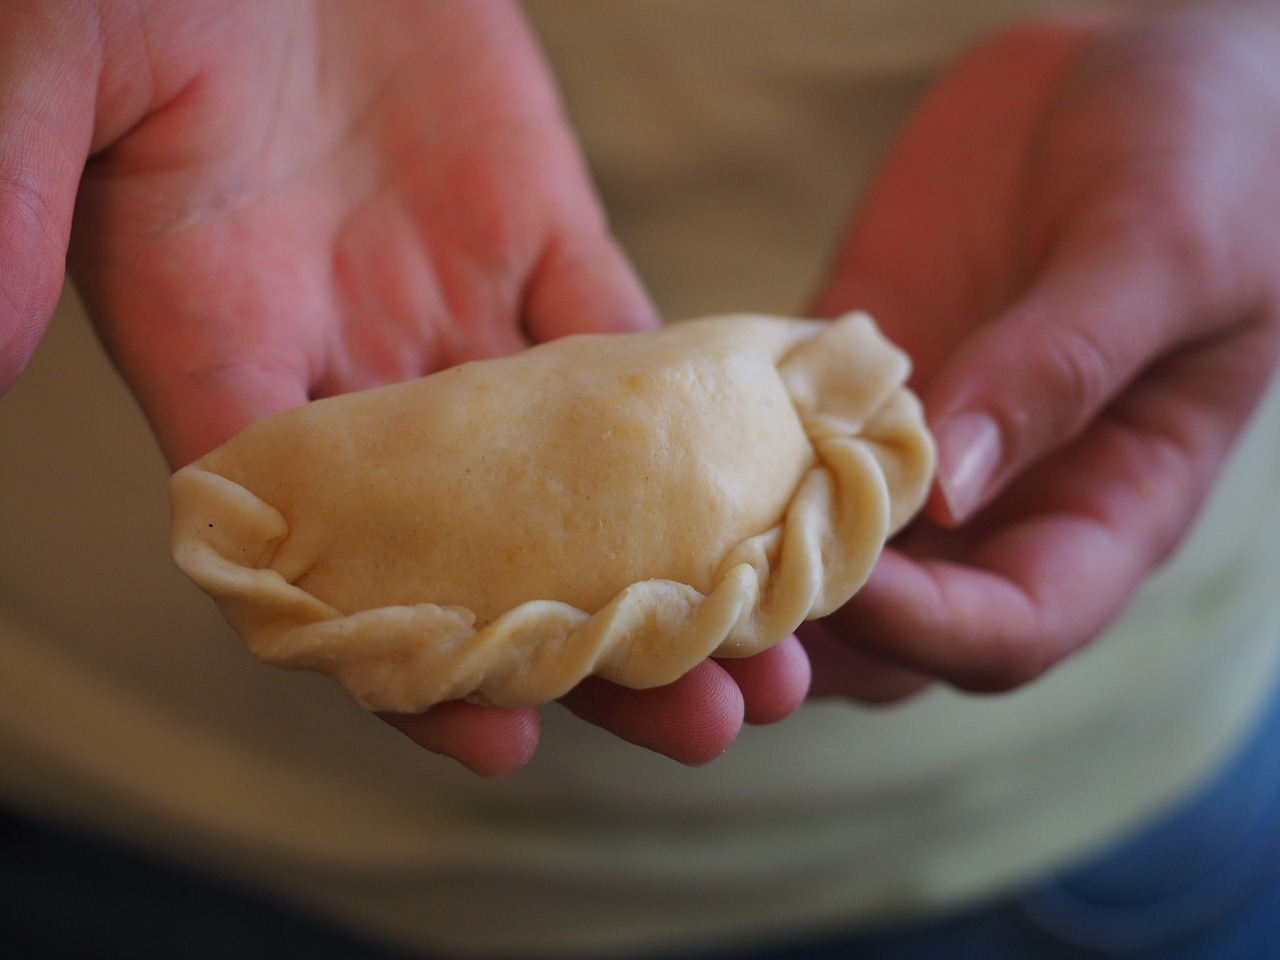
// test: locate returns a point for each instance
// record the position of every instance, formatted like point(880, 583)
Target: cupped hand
point(1077, 240)
point(271, 202)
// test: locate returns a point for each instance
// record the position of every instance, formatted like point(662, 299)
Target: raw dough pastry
point(620, 505)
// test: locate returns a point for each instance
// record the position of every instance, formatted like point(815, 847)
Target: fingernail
point(968, 455)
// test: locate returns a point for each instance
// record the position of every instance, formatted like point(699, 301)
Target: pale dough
point(618, 505)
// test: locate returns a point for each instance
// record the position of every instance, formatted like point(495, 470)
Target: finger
point(693, 720)
point(941, 620)
point(1035, 591)
point(193, 412)
point(913, 256)
point(840, 669)
point(586, 284)
point(1047, 568)
point(774, 683)
point(1104, 308)
point(490, 741)
point(48, 87)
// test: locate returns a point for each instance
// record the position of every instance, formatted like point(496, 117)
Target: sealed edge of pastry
point(872, 466)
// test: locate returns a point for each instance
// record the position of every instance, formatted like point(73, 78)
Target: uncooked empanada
point(622, 505)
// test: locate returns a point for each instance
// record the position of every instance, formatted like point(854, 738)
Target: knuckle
point(1184, 228)
point(1172, 211)
point(1079, 367)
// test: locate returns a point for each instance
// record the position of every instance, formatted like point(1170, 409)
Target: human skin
point(1074, 237)
point(263, 203)
point(1077, 238)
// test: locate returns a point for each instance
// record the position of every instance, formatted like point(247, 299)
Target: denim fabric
point(64, 896)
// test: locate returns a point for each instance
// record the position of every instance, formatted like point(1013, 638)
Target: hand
point(287, 200)
point(1076, 238)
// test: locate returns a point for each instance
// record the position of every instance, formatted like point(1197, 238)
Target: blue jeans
point(1201, 884)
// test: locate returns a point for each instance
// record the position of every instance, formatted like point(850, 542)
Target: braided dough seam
point(870, 468)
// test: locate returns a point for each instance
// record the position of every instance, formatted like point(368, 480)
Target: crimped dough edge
point(871, 472)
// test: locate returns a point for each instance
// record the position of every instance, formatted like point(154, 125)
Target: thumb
point(193, 413)
point(48, 81)
point(1035, 377)
point(586, 284)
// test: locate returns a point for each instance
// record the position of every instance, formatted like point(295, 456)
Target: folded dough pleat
point(614, 505)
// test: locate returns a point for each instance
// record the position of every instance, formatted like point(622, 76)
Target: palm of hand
point(318, 197)
point(320, 211)
point(1076, 245)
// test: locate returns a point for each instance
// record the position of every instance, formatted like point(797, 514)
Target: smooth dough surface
point(620, 505)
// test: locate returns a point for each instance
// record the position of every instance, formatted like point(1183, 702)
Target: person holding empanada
point(806, 474)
